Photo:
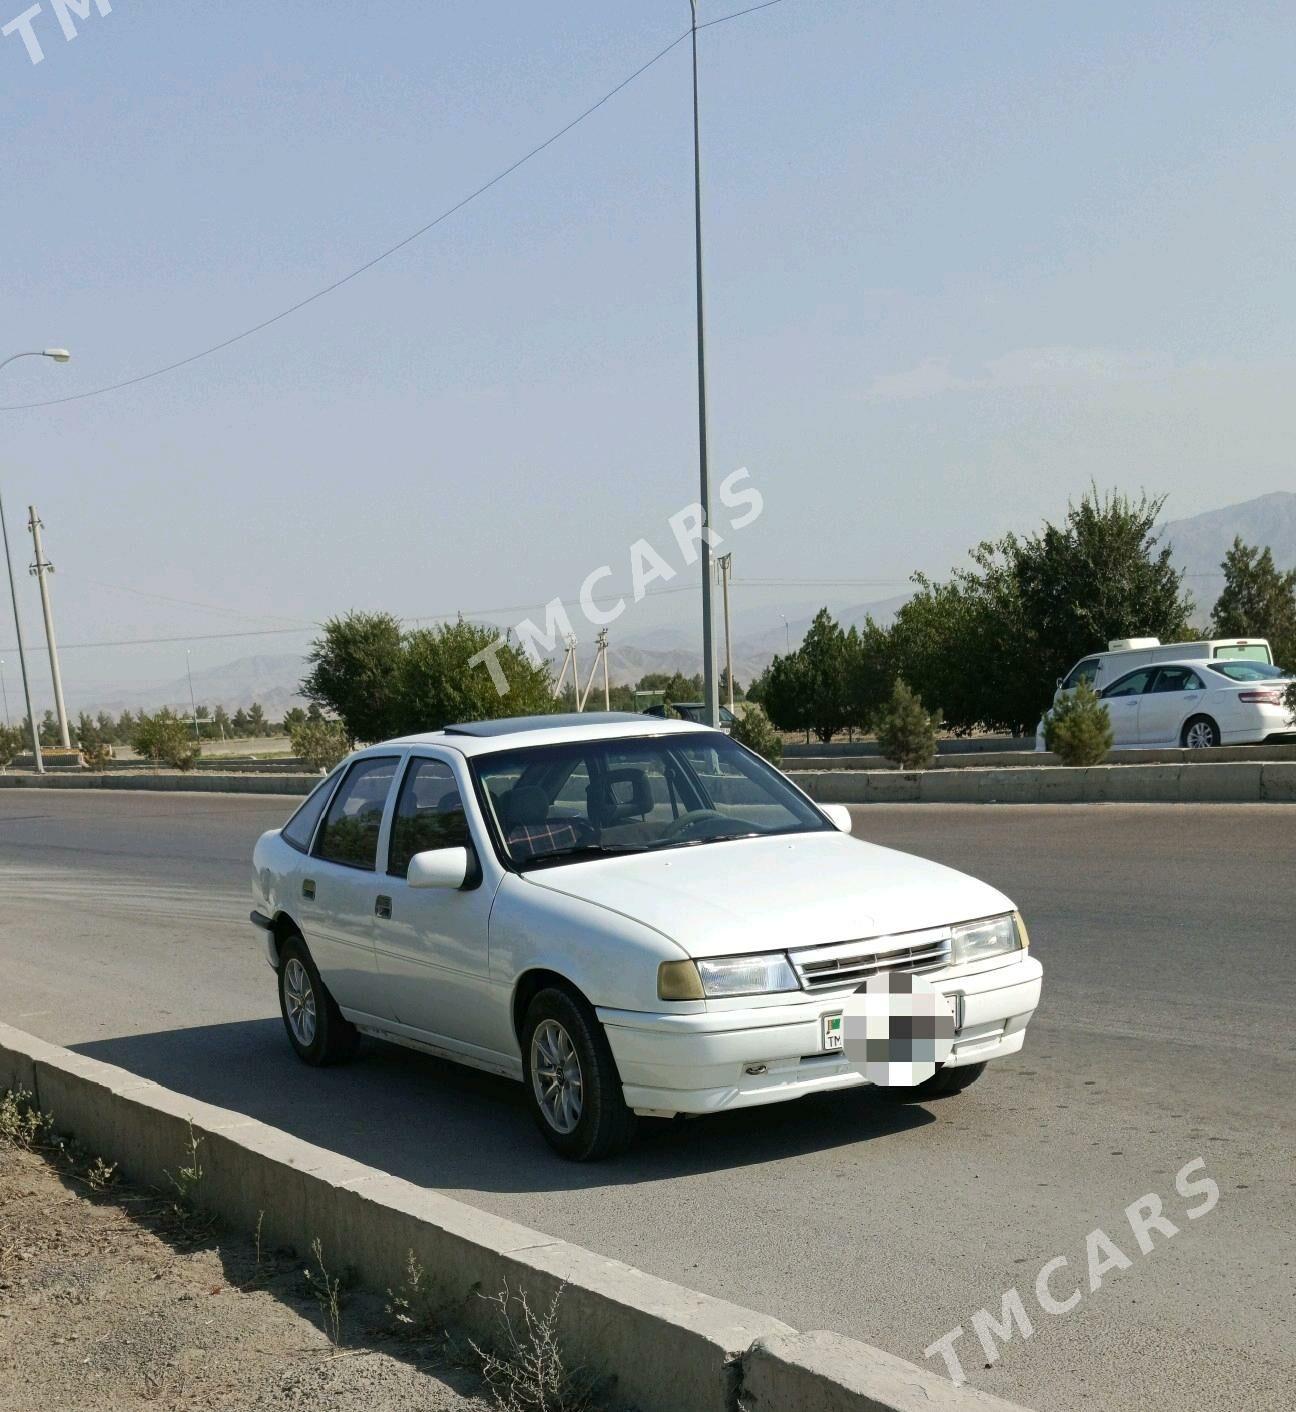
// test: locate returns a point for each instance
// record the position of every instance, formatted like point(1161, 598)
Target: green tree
point(1257, 601)
point(907, 730)
point(165, 739)
point(756, 691)
point(356, 672)
point(438, 684)
point(319, 744)
point(313, 712)
point(221, 722)
point(724, 686)
point(1078, 730)
point(12, 742)
point(125, 727)
point(293, 717)
point(753, 729)
point(107, 727)
point(870, 674)
point(257, 723)
point(93, 744)
point(786, 695)
point(240, 725)
point(823, 654)
point(49, 730)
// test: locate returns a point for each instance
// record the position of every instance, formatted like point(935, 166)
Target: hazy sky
point(961, 259)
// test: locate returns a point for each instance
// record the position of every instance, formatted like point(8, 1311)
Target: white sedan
point(1196, 704)
point(630, 916)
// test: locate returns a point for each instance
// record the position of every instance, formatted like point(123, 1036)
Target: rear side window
point(350, 831)
point(429, 814)
point(1177, 679)
point(1247, 671)
point(301, 827)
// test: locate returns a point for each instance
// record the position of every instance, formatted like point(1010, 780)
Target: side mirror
point(840, 815)
point(1059, 682)
point(438, 867)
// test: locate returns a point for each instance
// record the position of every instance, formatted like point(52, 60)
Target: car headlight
point(725, 976)
point(995, 936)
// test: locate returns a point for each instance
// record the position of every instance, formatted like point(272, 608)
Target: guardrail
point(669, 1348)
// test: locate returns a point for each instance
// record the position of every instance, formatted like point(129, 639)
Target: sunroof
point(511, 725)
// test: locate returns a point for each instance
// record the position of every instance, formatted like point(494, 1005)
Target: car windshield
point(1239, 670)
point(599, 798)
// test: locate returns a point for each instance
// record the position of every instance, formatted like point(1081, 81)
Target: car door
point(1123, 699)
point(1174, 694)
point(432, 942)
point(340, 885)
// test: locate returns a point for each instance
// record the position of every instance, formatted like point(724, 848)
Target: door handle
point(382, 907)
point(308, 888)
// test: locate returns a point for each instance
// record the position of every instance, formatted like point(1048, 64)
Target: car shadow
point(445, 1126)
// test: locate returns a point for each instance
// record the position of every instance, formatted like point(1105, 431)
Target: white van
point(1100, 669)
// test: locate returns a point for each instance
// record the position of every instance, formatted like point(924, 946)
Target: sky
point(960, 261)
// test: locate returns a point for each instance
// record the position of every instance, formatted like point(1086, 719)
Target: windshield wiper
point(581, 850)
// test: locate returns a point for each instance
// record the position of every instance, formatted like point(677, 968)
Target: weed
point(328, 1294)
point(22, 1124)
point(257, 1239)
point(101, 1175)
point(408, 1306)
point(187, 1180)
point(527, 1374)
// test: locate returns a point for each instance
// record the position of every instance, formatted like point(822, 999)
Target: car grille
point(847, 965)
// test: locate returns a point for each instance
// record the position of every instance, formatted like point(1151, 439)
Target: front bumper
point(698, 1063)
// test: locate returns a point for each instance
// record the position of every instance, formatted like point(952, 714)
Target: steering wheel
point(690, 823)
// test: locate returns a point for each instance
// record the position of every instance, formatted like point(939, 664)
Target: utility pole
point(22, 655)
point(192, 700)
point(42, 568)
point(710, 701)
point(725, 565)
point(4, 688)
point(600, 655)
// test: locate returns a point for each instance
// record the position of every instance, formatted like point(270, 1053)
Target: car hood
point(768, 894)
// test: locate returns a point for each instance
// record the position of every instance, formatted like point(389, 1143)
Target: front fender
point(610, 958)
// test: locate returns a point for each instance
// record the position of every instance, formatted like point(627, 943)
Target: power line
point(391, 250)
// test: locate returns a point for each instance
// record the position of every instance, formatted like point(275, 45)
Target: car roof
point(479, 737)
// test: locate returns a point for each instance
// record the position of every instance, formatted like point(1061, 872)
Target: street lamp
point(58, 355)
point(4, 689)
point(193, 700)
point(711, 694)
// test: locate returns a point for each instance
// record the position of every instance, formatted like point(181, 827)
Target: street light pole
point(193, 701)
point(711, 698)
point(4, 689)
point(59, 355)
point(42, 569)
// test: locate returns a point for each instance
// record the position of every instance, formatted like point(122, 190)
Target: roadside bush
point(1079, 730)
point(11, 744)
point(94, 746)
point(907, 730)
point(165, 740)
point(319, 744)
point(753, 729)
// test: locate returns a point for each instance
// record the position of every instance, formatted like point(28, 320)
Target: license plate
point(832, 1032)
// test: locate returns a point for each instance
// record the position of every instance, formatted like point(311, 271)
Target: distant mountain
point(1201, 541)
point(271, 680)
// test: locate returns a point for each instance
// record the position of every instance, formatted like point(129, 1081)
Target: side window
point(1086, 671)
point(352, 824)
point(300, 828)
point(429, 814)
point(1177, 679)
point(1133, 685)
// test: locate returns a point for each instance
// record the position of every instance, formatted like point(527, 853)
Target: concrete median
point(668, 1348)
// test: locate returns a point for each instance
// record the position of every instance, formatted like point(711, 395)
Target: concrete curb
point(204, 783)
point(669, 1348)
point(1232, 782)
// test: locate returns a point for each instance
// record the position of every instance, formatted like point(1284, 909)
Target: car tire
point(571, 1079)
point(317, 1030)
point(1200, 733)
point(942, 1084)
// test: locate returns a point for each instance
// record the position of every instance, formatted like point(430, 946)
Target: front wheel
point(941, 1084)
point(571, 1079)
point(1201, 733)
point(317, 1030)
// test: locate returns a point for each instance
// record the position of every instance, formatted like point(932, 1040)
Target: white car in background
point(1197, 704)
point(631, 916)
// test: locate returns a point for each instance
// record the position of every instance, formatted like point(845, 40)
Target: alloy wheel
point(299, 1000)
point(556, 1076)
point(1200, 736)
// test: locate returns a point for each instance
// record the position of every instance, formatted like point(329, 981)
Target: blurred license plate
point(832, 1032)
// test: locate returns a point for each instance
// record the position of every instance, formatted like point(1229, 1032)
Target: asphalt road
point(1165, 1034)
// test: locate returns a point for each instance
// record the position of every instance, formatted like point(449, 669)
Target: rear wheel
point(942, 1084)
point(571, 1079)
point(317, 1030)
point(1201, 733)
